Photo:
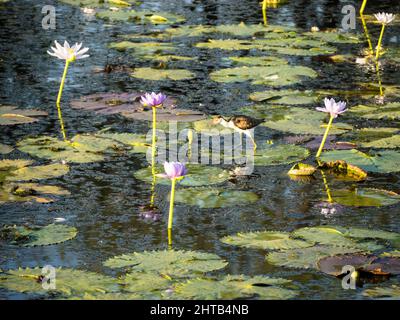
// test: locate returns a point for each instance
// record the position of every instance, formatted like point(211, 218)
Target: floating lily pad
point(13, 164)
point(300, 121)
point(5, 149)
point(198, 175)
point(145, 282)
point(169, 262)
point(365, 197)
point(143, 48)
point(68, 281)
point(38, 172)
point(302, 169)
point(162, 74)
point(24, 192)
point(269, 240)
point(99, 3)
point(389, 111)
point(234, 287)
point(164, 115)
point(110, 296)
point(380, 162)
point(286, 97)
point(272, 155)
point(10, 115)
point(343, 170)
point(111, 103)
point(140, 17)
point(138, 143)
point(249, 30)
point(259, 61)
point(167, 58)
point(305, 258)
point(273, 76)
point(392, 292)
point(80, 149)
point(214, 197)
point(41, 236)
point(385, 138)
point(207, 127)
point(335, 37)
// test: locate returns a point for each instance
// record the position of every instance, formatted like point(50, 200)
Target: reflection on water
point(106, 200)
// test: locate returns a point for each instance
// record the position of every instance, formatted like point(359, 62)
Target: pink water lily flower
point(174, 170)
point(66, 52)
point(153, 99)
point(333, 107)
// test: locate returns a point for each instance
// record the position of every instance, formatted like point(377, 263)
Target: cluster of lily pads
point(182, 274)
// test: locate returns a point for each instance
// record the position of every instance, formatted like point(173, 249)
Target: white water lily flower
point(385, 18)
point(66, 52)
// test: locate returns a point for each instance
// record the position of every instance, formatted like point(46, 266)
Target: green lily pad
point(286, 97)
point(13, 164)
point(365, 197)
point(168, 262)
point(136, 142)
point(384, 138)
point(332, 236)
point(27, 192)
point(140, 17)
point(379, 162)
point(198, 175)
point(109, 296)
point(249, 30)
point(41, 236)
point(10, 115)
point(167, 58)
point(259, 61)
point(302, 169)
point(305, 258)
point(300, 121)
point(273, 76)
point(392, 292)
point(38, 172)
point(68, 281)
point(143, 48)
point(363, 233)
point(272, 155)
point(234, 287)
point(268, 240)
point(207, 127)
point(335, 37)
point(214, 197)
point(389, 111)
point(80, 149)
point(5, 149)
point(162, 74)
point(99, 3)
point(145, 282)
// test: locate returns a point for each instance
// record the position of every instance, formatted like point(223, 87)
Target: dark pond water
point(105, 197)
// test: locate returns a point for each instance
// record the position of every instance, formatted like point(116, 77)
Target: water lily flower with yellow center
point(334, 109)
point(69, 54)
point(384, 19)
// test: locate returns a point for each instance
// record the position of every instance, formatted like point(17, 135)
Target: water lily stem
point(378, 73)
point(264, 11)
point(153, 143)
point(171, 203)
point(378, 49)
point(325, 136)
point(363, 7)
point(371, 48)
point(59, 99)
